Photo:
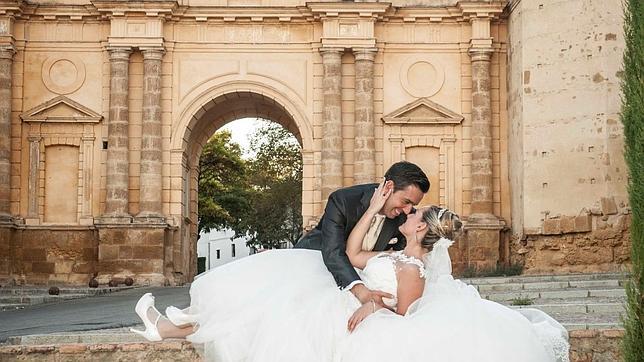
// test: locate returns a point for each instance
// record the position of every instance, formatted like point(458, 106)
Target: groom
point(343, 210)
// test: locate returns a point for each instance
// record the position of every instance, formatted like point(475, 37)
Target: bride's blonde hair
point(441, 223)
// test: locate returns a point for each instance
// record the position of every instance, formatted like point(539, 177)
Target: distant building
point(220, 248)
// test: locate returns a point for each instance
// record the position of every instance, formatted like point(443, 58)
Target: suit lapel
point(385, 234)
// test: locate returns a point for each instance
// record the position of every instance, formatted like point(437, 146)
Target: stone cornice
point(159, 8)
point(349, 9)
point(248, 14)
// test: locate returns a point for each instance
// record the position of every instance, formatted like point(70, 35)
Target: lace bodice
point(381, 270)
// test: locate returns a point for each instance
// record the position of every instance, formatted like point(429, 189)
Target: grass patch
point(520, 300)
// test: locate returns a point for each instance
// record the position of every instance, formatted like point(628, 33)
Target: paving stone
point(570, 293)
point(557, 308)
point(594, 283)
point(546, 285)
point(605, 307)
point(617, 293)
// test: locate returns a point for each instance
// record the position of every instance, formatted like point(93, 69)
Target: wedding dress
point(284, 305)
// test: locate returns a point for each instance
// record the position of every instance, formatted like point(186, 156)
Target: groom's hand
point(366, 295)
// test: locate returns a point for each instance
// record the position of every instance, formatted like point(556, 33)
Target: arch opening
point(207, 120)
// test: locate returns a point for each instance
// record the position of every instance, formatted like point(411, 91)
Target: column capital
point(119, 53)
point(365, 53)
point(331, 51)
point(7, 51)
point(480, 54)
point(153, 53)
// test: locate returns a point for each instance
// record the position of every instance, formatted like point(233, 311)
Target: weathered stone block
point(608, 206)
point(42, 267)
point(583, 223)
point(567, 224)
point(147, 252)
point(108, 252)
point(552, 226)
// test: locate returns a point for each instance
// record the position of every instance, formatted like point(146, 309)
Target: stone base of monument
point(132, 250)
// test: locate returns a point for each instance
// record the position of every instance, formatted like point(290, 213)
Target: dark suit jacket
point(342, 212)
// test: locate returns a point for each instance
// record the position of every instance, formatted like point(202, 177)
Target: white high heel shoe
point(151, 333)
point(178, 317)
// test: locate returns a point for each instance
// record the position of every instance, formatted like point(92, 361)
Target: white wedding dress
point(284, 305)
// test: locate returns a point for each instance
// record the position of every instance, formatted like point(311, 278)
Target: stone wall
point(596, 240)
point(54, 256)
point(586, 346)
point(567, 171)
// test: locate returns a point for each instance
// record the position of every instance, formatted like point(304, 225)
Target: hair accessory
point(441, 212)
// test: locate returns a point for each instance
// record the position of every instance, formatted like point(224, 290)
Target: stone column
point(150, 176)
point(6, 62)
point(117, 185)
point(482, 189)
point(364, 141)
point(331, 121)
point(482, 227)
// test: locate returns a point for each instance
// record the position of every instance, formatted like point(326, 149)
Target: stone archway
point(215, 109)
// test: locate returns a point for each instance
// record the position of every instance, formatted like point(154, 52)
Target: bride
point(284, 305)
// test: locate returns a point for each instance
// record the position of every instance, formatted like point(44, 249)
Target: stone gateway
point(510, 107)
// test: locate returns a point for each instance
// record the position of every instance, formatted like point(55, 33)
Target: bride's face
point(414, 223)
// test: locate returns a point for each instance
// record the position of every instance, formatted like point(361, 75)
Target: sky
point(241, 130)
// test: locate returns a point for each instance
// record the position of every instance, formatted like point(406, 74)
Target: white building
point(219, 248)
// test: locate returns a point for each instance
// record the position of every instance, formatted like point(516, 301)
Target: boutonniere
point(393, 241)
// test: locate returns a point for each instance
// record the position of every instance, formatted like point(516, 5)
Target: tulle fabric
point(284, 305)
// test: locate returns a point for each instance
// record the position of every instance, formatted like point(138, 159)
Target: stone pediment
point(422, 111)
point(61, 110)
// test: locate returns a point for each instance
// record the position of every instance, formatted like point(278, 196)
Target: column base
point(114, 219)
point(483, 238)
point(146, 217)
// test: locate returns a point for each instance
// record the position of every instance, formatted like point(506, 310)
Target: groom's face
point(402, 201)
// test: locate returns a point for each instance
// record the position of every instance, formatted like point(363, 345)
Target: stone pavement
point(101, 312)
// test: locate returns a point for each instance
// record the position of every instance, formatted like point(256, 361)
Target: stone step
point(499, 296)
point(606, 309)
point(552, 285)
point(521, 279)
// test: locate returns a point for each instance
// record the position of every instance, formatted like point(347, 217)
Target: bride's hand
point(380, 196)
point(360, 314)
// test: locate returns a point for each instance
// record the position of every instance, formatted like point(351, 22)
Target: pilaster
point(151, 145)
point(6, 62)
point(364, 141)
point(117, 183)
point(331, 121)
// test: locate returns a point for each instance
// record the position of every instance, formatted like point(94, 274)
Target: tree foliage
point(632, 117)
point(276, 178)
point(223, 185)
point(259, 198)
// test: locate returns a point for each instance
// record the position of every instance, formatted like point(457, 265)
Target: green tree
point(223, 185)
point(632, 117)
point(275, 174)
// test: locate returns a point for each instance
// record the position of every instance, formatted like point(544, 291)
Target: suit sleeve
point(334, 244)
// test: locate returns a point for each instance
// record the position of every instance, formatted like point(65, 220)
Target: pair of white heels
point(175, 315)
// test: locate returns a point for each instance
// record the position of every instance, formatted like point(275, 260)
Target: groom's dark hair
point(405, 173)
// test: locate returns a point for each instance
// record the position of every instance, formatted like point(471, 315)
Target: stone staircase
point(578, 301)
point(12, 298)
